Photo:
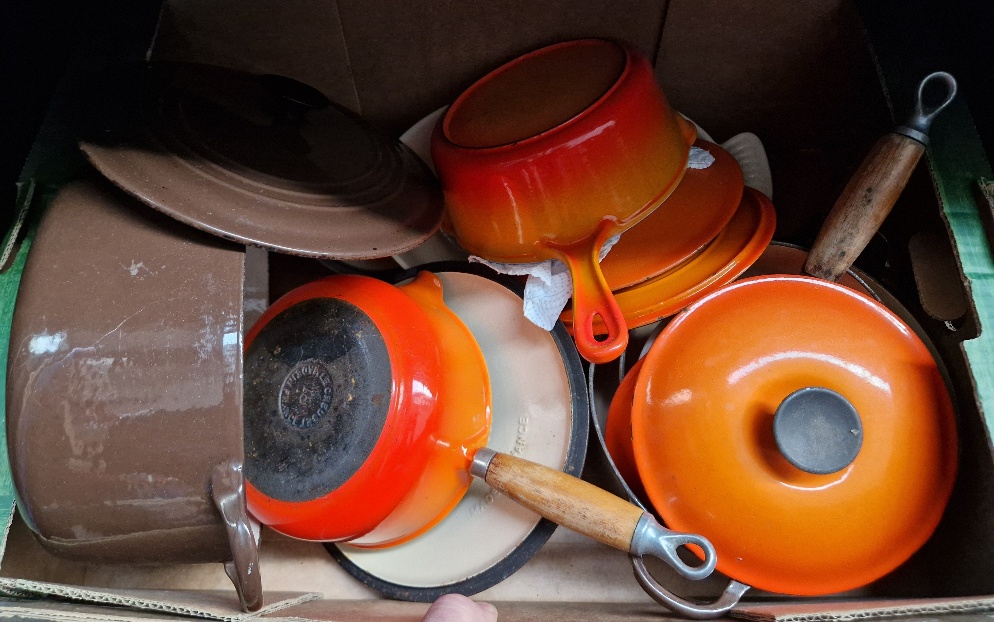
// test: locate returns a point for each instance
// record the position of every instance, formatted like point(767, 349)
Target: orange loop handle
point(593, 298)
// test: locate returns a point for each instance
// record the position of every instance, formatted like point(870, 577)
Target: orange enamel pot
point(552, 154)
point(800, 426)
point(364, 404)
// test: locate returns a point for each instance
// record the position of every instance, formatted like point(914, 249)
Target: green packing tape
point(14, 255)
point(958, 162)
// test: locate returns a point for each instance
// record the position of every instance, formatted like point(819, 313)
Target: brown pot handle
point(593, 298)
point(874, 188)
point(589, 510)
point(228, 493)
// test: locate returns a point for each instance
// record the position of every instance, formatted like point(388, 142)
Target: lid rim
point(626, 70)
point(392, 206)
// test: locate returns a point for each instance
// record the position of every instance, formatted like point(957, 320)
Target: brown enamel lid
point(260, 159)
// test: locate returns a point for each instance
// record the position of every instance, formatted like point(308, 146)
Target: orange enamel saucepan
point(552, 154)
point(353, 386)
point(799, 424)
point(367, 412)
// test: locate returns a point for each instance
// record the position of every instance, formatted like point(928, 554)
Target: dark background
point(40, 36)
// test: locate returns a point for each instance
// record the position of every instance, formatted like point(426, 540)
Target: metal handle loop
point(917, 126)
point(728, 599)
point(651, 538)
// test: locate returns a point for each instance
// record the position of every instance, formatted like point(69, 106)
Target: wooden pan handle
point(876, 185)
point(863, 205)
point(589, 510)
point(566, 500)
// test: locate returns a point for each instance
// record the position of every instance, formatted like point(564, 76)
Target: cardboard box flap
point(305, 42)
point(937, 276)
point(410, 58)
point(789, 99)
point(984, 193)
point(208, 604)
point(821, 611)
point(69, 612)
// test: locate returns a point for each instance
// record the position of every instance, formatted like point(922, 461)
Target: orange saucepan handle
point(593, 298)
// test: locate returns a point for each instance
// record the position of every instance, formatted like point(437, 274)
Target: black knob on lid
point(817, 430)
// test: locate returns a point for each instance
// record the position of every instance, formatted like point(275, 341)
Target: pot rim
point(622, 77)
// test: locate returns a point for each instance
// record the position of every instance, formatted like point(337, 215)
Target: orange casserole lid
point(694, 215)
point(819, 493)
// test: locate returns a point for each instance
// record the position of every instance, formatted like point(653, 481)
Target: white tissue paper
point(549, 285)
point(548, 288)
point(699, 158)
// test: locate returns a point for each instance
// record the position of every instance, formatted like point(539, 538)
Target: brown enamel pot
point(124, 389)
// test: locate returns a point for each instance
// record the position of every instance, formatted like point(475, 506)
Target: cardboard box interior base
point(801, 76)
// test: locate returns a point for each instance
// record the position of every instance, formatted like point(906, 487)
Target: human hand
point(458, 608)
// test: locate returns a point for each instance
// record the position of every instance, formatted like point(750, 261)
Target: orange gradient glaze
point(699, 208)
point(609, 159)
point(720, 262)
point(703, 439)
point(600, 152)
point(463, 424)
point(417, 427)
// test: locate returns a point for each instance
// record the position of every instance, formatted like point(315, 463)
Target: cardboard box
point(803, 77)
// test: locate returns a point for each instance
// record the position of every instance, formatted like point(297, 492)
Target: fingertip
point(488, 610)
point(459, 608)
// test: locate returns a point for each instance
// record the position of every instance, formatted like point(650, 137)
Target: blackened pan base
point(317, 393)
